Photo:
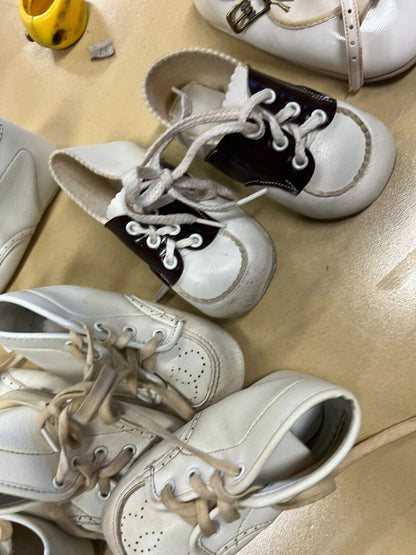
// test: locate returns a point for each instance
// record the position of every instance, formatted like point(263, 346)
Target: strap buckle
point(242, 15)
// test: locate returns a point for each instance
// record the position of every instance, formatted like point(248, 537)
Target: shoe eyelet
point(170, 265)
point(162, 331)
point(242, 469)
point(283, 146)
point(99, 326)
point(103, 496)
point(132, 228)
point(73, 462)
point(101, 449)
point(301, 166)
point(176, 230)
point(153, 243)
point(296, 107)
point(197, 238)
point(193, 472)
point(322, 114)
point(130, 447)
point(272, 98)
point(56, 484)
point(131, 329)
point(170, 483)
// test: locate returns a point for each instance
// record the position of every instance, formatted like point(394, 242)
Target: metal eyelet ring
point(301, 166)
point(73, 462)
point(101, 449)
point(296, 107)
point(193, 472)
point(153, 243)
point(99, 326)
point(103, 496)
point(322, 114)
point(130, 447)
point(197, 240)
point(283, 146)
point(131, 228)
point(56, 484)
point(272, 98)
point(170, 264)
point(163, 332)
point(176, 230)
point(131, 329)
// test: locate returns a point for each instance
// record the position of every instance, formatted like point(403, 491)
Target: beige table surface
point(342, 303)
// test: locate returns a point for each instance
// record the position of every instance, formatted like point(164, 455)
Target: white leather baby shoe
point(63, 447)
point(26, 189)
point(321, 157)
point(176, 351)
point(355, 39)
point(27, 534)
point(221, 478)
point(190, 231)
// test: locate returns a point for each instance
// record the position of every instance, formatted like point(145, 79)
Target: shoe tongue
point(115, 208)
point(238, 91)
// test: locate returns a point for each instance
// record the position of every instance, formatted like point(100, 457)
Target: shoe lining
point(18, 319)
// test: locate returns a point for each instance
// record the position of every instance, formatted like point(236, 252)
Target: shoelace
point(140, 379)
point(197, 512)
point(70, 410)
point(149, 187)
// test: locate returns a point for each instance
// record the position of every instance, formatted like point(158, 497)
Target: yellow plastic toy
point(54, 23)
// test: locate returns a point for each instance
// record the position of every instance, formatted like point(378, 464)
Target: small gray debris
point(103, 49)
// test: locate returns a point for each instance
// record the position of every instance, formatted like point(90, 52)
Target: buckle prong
point(242, 15)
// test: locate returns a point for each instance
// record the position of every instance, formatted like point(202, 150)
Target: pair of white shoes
point(103, 454)
point(321, 157)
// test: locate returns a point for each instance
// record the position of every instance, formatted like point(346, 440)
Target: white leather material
point(354, 155)
point(26, 188)
point(347, 178)
point(54, 541)
point(246, 429)
point(196, 357)
point(28, 462)
point(226, 289)
point(222, 280)
point(387, 33)
point(351, 19)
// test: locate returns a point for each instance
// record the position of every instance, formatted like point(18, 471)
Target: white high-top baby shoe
point(191, 232)
point(224, 476)
point(23, 533)
point(318, 156)
point(176, 351)
point(63, 447)
point(355, 39)
point(26, 189)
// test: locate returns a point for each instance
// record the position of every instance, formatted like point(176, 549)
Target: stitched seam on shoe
point(8, 247)
point(306, 23)
point(244, 533)
point(241, 272)
point(171, 454)
point(364, 164)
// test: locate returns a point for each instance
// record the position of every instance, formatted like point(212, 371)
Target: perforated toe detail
point(145, 530)
point(189, 368)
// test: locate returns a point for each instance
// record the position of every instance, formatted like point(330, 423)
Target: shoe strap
point(351, 19)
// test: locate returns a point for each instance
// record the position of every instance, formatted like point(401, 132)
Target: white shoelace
point(149, 187)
